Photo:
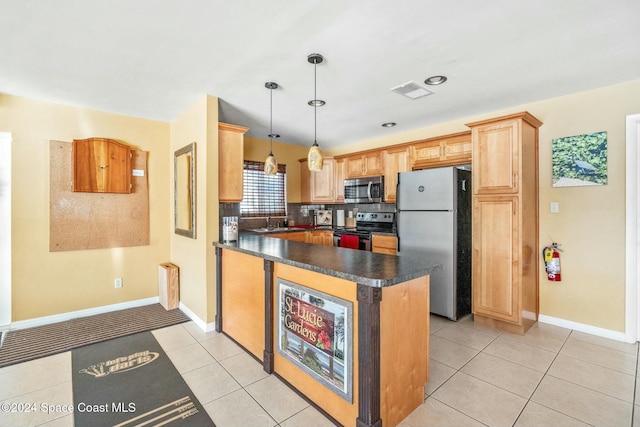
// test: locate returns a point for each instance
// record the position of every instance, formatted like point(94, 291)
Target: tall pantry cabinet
point(505, 221)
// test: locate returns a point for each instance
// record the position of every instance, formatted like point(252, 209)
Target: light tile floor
point(479, 376)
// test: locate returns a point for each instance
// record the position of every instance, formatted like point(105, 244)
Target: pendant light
point(270, 165)
point(314, 158)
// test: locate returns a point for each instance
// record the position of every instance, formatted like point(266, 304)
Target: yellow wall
point(196, 257)
point(46, 283)
point(590, 224)
point(258, 149)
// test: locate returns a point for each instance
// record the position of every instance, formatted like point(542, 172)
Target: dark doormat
point(27, 344)
point(128, 382)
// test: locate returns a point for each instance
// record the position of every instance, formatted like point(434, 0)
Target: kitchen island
point(348, 329)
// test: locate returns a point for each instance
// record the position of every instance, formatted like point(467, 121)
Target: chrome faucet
point(268, 218)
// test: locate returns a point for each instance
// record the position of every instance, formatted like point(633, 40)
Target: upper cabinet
point(339, 184)
point(230, 162)
point(323, 183)
point(454, 149)
point(394, 160)
point(498, 159)
point(364, 164)
point(101, 165)
point(318, 186)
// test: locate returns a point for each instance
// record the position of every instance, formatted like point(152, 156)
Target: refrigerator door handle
point(464, 185)
point(369, 191)
point(398, 230)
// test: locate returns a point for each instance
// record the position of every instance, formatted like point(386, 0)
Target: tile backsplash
point(300, 213)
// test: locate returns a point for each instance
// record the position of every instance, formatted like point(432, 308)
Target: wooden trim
point(369, 356)
point(525, 116)
point(232, 128)
point(402, 145)
point(267, 359)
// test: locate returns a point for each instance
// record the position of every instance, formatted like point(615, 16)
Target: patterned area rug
point(128, 382)
point(32, 343)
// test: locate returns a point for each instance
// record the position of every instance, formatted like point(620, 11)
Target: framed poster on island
point(315, 333)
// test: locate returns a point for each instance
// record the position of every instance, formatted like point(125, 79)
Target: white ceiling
point(155, 58)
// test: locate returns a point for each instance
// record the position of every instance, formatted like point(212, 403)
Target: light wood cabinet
point(383, 244)
point(394, 160)
point(339, 180)
point(364, 164)
point(323, 183)
point(230, 162)
point(505, 221)
point(305, 182)
point(296, 236)
point(320, 237)
point(316, 237)
point(318, 186)
point(450, 150)
point(101, 165)
point(498, 158)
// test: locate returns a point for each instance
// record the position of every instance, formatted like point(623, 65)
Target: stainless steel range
point(366, 223)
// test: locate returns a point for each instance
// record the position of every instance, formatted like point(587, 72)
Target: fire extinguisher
point(551, 256)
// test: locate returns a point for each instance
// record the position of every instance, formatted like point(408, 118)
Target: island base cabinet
point(404, 348)
point(243, 301)
point(403, 339)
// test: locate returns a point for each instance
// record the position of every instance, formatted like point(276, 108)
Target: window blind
point(263, 195)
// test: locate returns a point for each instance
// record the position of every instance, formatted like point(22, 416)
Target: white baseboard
point(40, 321)
point(206, 327)
point(581, 327)
point(46, 320)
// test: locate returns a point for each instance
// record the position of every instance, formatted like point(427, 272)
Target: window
point(263, 195)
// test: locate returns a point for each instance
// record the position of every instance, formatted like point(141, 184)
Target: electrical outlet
point(554, 207)
point(117, 283)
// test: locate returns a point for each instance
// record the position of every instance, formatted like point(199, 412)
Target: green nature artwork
point(579, 160)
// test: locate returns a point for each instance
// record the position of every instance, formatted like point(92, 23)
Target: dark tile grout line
point(243, 387)
point(542, 379)
point(500, 333)
point(557, 353)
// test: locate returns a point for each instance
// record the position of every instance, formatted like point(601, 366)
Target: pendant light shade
point(270, 164)
point(314, 158)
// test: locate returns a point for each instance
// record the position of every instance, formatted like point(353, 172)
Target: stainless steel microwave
point(364, 190)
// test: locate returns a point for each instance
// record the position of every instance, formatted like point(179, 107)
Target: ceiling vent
point(412, 90)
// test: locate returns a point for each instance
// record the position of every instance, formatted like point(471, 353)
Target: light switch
point(554, 207)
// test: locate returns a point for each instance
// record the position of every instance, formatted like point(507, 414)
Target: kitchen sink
point(269, 230)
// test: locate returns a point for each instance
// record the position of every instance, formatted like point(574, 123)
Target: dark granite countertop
point(364, 267)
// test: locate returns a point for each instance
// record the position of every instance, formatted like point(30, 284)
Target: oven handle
point(369, 190)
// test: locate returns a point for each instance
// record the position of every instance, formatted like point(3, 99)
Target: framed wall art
point(579, 160)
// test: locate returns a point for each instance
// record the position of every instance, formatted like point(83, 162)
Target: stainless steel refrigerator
point(434, 221)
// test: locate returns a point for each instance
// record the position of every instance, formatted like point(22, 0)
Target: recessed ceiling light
point(435, 80)
point(388, 125)
point(316, 102)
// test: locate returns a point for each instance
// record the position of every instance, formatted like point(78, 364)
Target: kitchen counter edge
point(363, 267)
